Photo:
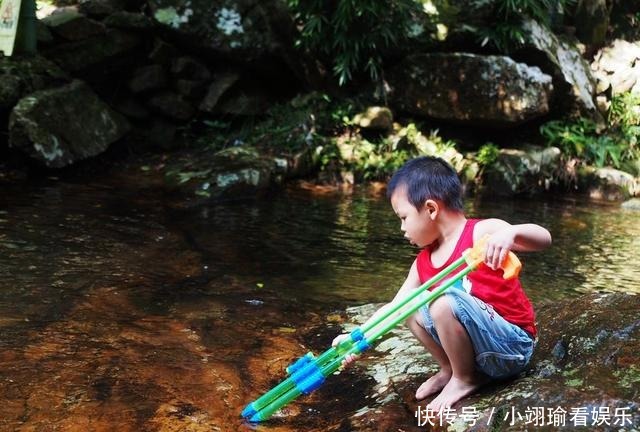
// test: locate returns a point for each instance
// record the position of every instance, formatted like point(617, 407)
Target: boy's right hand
point(348, 359)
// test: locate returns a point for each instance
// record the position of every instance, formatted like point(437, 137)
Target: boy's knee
point(440, 309)
point(414, 320)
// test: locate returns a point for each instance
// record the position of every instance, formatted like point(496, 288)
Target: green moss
point(628, 377)
point(577, 382)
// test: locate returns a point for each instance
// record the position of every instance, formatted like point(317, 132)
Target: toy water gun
point(309, 372)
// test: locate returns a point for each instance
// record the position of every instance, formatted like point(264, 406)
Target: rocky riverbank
point(584, 372)
point(229, 106)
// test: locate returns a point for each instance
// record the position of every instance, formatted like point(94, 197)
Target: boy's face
point(417, 225)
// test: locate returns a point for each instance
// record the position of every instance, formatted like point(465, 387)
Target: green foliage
point(350, 35)
point(625, 110)
point(285, 128)
point(504, 36)
point(624, 120)
point(369, 160)
point(616, 146)
point(374, 161)
point(581, 140)
point(487, 154)
point(506, 33)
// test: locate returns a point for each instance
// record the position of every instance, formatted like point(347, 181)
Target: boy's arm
point(504, 237)
point(411, 282)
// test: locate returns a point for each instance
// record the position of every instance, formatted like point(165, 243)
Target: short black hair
point(428, 177)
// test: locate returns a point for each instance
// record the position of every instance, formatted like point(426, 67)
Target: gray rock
point(189, 68)
point(64, 125)
point(73, 26)
point(96, 53)
point(471, 88)
point(597, 369)
point(171, 105)
point(99, 8)
point(236, 170)
point(632, 204)
point(10, 91)
point(618, 64)
point(220, 84)
point(247, 30)
point(23, 75)
point(240, 170)
point(608, 183)
point(522, 171)
point(249, 102)
point(145, 78)
point(163, 53)
point(129, 21)
point(43, 34)
point(573, 83)
point(189, 88)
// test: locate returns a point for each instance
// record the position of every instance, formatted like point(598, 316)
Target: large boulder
point(470, 88)
point(207, 176)
point(71, 25)
point(607, 183)
point(245, 30)
point(60, 126)
point(617, 67)
point(518, 171)
point(573, 83)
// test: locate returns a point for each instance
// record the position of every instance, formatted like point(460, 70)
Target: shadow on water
point(117, 313)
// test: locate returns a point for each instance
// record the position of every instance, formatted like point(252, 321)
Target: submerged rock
point(234, 171)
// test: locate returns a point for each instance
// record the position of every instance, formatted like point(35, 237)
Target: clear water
point(119, 313)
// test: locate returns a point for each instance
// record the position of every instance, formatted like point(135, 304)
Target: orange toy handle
point(474, 256)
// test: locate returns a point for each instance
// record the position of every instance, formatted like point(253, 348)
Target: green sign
point(9, 13)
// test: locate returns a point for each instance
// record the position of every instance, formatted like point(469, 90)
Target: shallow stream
point(120, 313)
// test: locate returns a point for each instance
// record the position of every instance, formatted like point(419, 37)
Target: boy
point(485, 330)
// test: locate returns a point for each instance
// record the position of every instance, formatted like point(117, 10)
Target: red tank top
point(506, 296)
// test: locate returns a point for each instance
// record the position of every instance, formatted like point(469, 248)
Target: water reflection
point(117, 313)
point(350, 248)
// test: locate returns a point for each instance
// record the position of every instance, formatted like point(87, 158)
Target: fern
point(350, 35)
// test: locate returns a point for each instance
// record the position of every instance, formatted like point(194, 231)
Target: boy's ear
point(432, 208)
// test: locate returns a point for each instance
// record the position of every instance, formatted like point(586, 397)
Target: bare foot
point(433, 385)
point(455, 390)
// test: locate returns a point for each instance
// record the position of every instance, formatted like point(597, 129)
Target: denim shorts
point(502, 349)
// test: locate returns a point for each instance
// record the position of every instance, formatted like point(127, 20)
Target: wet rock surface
point(584, 371)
